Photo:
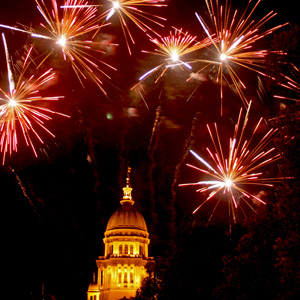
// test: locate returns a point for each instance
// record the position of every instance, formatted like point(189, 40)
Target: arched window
point(131, 277)
point(120, 249)
point(141, 250)
point(126, 249)
point(101, 277)
point(131, 249)
point(125, 279)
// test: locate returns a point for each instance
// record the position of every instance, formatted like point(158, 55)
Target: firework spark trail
point(8, 65)
point(153, 138)
point(67, 34)
point(229, 175)
point(172, 49)
point(188, 143)
point(236, 38)
point(23, 189)
point(20, 108)
point(130, 9)
point(290, 84)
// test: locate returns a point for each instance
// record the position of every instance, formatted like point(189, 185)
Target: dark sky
point(56, 206)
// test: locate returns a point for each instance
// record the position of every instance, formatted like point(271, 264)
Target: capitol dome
point(127, 217)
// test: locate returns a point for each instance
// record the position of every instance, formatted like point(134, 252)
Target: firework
point(172, 49)
point(236, 34)
point(228, 176)
point(67, 34)
point(21, 107)
point(131, 10)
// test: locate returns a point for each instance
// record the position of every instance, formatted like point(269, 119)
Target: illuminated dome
point(93, 287)
point(126, 216)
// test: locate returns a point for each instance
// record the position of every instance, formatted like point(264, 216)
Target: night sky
point(56, 206)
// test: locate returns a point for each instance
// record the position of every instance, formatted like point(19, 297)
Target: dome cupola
point(127, 216)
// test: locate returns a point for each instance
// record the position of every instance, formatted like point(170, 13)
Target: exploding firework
point(172, 49)
point(236, 34)
point(130, 10)
point(67, 34)
point(21, 106)
point(228, 176)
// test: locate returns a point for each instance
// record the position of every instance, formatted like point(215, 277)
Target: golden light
point(62, 41)
point(174, 56)
point(116, 4)
point(228, 183)
point(12, 102)
point(223, 56)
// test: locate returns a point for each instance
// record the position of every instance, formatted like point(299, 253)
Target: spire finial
point(127, 190)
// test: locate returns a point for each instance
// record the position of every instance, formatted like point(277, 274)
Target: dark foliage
point(194, 270)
